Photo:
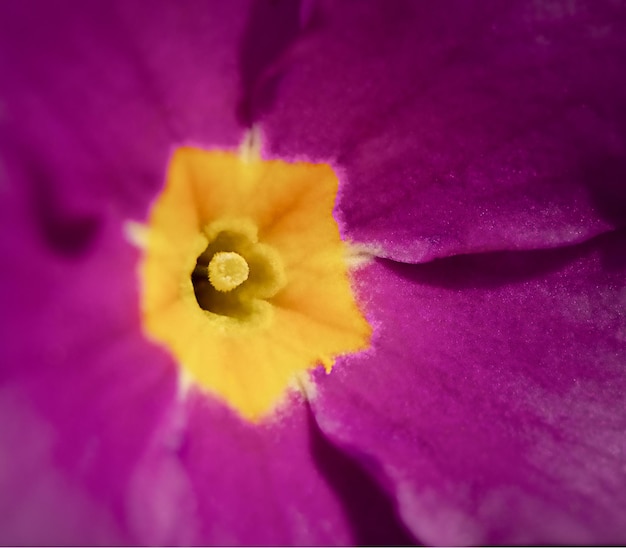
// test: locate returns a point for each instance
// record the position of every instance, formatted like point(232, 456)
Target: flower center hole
point(233, 273)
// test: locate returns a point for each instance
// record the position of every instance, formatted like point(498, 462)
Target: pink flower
point(481, 149)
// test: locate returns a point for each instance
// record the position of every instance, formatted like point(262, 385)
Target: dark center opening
point(238, 303)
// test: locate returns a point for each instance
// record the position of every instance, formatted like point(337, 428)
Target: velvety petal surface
point(492, 401)
point(98, 445)
point(95, 95)
point(462, 126)
point(86, 398)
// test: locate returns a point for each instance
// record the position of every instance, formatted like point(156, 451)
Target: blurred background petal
point(97, 94)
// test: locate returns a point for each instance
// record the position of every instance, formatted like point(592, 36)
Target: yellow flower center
point(243, 277)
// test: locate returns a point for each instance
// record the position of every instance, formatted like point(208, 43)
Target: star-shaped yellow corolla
point(244, 276)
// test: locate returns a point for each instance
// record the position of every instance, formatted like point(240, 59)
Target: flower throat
point(235, 272)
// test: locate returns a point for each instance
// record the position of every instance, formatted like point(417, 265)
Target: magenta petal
point(94, 95)
point(86, 395)
point(463, 125)
point(38, 504)
point(260, 485)
point(492, 402)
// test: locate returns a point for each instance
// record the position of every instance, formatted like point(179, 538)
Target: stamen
point(227, 270)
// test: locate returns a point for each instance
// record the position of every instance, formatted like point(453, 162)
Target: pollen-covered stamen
point(227, 270)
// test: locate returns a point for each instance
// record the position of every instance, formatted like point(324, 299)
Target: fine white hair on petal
point(358, 255)
point(136, 234)
point(250, 148)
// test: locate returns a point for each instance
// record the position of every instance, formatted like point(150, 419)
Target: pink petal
point(95, 95)
point(462, 126)
point(492, 402)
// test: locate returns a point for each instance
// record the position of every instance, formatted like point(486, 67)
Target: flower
point(481, 151)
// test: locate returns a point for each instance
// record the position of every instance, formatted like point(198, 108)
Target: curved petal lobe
point(463, 126)
point(493, 400)
point(95, 95)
